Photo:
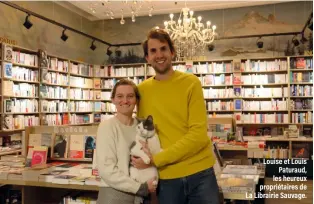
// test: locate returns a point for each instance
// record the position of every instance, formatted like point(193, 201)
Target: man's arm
point(196, 138)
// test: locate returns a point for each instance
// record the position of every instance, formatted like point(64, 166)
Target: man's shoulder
point(144, 84)
point(187, 76)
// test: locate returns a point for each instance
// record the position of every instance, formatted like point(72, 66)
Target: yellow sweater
point(178, 109)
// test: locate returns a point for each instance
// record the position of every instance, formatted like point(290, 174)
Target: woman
point(114, 138)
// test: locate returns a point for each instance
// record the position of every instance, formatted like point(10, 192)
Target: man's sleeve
point(196, 138)
point(106, 155)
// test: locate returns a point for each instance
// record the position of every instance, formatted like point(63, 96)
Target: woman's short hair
point(125, 82)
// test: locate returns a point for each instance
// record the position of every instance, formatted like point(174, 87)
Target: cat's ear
point(150, 117)
point(139, 120)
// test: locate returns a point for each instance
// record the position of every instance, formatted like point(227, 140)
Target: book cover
point(300, 63)
point(77, 146)
point(237, 104)
point(39, 156)
point(90, 144)
point(8, 70)
point(60, 146)
point(8, 53)
point(7, 123)
point(7, 105)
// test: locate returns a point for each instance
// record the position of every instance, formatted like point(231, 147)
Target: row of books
point(24, 58)
point(81, 82)
point(302, 117)
point(263, 92)
point(81, 119)
point(19, 89)
point(54, 78)
point(77, 93)
point(265, 105)
point(274, 153)
point(81, 106)
point(203, 68)
point(102, 95)
point(81, 69)
point(297, 77)
point(302, 104)
point(264, 79)
point(220, 105)
point(264, 65)
point(53, 106)
point(55, 119)
point(262, 118)
point(123, 71)
point(12, 122)
point(58, 64)
point(301, 63)
point(53, 92)
point(299, 90)
point(98, 117)
point(20, 105)
point(20, 73)
point(218, 93)
point(221, 79)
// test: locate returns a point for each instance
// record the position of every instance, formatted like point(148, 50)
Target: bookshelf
point(274, 91)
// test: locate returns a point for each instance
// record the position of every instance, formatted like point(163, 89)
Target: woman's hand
point(152, 185)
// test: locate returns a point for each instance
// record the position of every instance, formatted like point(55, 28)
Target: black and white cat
point(145, 132)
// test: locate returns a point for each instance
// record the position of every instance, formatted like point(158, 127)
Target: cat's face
point(146, 128)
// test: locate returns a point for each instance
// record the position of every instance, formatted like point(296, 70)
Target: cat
point(145, 132)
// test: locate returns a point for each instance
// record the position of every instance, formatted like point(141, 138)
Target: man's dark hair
point(160, 35)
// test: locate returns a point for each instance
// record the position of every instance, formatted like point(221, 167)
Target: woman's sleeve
point(107, 160)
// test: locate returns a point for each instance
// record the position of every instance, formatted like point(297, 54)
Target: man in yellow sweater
point(175, 100)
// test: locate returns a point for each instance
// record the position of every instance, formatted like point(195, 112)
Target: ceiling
point(98, 10)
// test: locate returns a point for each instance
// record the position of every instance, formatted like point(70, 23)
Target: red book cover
point(39, 156)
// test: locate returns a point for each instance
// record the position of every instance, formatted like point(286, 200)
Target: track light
point(64, 37)
point(27, 24)
point(310, 25)
point(211, 47)
point(109, 52)
point(259, 43)
point(118, 52)
point(93, 47)
point(295, 41)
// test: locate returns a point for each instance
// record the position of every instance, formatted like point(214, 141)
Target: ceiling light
point(190, 34)
point(93, 47)
point(109, 52)
point(295, 41)
point(211, 47)
point(118, 52)
point(259, 43)
point(64, 37)
point(27, 24)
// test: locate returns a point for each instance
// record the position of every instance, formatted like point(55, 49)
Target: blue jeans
point(199, 188)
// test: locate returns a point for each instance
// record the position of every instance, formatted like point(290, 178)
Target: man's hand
point(147, 151)
point(138, 163)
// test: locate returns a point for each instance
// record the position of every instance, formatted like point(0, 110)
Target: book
point(7, 105)
point(90, 144)
point(76, 146)
point(60, 148)
point(7, 70)
point(39, 156)
point(8, 53)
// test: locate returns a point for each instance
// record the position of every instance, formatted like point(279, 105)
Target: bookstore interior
point(254, 61)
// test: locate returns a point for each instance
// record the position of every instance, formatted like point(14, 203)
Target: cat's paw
point(147, 161)
point(155, 183)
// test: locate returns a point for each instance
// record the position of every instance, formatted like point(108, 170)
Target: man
point(176, 102)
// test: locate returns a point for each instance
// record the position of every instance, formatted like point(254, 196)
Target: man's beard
point(164, 71)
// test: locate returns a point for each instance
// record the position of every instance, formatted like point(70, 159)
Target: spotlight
point(64, 37)
point(27, 24)
point(310, 25)
point(303, 39)
point(259, 43)
point(211, 47)
point(109, 52)
point(295, 41)
point(93, 47)
point(118, 52)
